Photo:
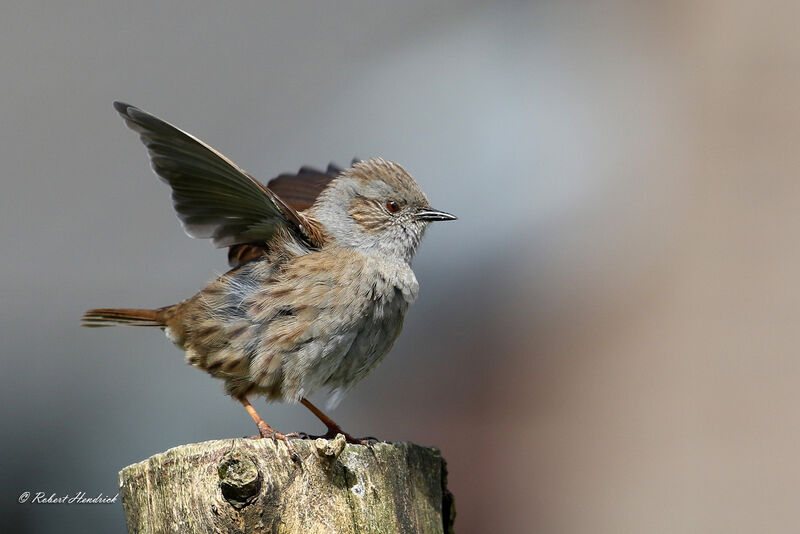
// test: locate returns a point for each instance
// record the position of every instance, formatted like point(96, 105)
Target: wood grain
point(249, 485)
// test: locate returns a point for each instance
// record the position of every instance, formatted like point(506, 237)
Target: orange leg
point(333, 428)
point(267, 431)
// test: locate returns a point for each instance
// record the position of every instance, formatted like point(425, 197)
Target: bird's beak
point(430, 214)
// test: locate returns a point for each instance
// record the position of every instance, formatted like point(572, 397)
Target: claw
point(367, 441)
point(267, 432)
point(333, 432)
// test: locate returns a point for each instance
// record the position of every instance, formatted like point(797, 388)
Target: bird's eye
point(392, 206)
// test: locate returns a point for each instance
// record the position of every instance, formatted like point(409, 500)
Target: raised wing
point(212, 196)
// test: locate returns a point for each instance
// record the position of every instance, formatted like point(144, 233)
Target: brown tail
point(124, 317)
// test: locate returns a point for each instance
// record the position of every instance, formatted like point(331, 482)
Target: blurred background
point(606, 341)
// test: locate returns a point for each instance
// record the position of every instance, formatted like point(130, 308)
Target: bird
point(320, 277)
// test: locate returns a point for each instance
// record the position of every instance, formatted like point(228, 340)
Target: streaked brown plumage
point(321, 276)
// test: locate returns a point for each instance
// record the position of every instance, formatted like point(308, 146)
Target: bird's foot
point(367, 441)
point(333, 428)
point(333, 432)
point(267, 431)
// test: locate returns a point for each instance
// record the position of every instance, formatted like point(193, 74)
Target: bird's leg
point(333, 428)
point(267, 431)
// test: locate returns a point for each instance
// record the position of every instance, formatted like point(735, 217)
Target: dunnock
point(321, 276)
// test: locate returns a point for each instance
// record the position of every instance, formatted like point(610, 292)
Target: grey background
point(605, 341)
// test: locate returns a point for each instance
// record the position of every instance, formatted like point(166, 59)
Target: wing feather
point(302, 188)
point(212, 196)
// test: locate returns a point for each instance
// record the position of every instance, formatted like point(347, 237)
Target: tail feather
point(123, 317)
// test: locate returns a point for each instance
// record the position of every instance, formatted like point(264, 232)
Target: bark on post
point(253, 486)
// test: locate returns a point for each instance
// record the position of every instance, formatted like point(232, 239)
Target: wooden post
point(253, 486)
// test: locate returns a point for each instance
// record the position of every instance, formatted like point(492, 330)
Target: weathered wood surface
point(249, 485)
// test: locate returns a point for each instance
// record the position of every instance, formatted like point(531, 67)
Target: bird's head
point(376, 206)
